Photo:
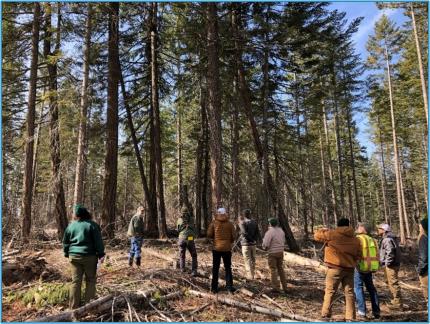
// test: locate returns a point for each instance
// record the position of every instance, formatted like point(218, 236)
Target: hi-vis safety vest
point(369, 261)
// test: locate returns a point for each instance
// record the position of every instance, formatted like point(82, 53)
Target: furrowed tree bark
point(162, 226)
point(81, 159)
point(396, 152)
point(60, 213)
point(27, 197)
point(111, 159)
point(261, 153)
point(214, 103)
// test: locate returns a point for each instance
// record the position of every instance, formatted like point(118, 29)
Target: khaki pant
point(424, 285)
point(276, 265)
point(249, 258)
point(82, 264)
point(392, 276)
point(333, 279)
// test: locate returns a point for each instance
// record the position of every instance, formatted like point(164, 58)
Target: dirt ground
point(304, 296)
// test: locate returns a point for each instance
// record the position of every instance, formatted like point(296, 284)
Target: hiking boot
point(194, 273)
point(376, 316)
point(130, 261)
point(214, 290)
point(138, 261)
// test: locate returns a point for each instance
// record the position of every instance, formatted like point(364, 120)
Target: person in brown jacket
point(221, 230)
point(341, 255)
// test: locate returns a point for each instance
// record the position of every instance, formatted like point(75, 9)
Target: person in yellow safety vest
point(363, 273)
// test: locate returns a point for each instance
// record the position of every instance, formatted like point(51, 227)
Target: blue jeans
point(361, 278)
point(136, 245)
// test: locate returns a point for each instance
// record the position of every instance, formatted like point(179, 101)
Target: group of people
point(350, 256)
point(223, 233)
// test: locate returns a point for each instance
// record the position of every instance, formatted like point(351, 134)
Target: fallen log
point(251, 307)
point(296, 259)
point(99, 305)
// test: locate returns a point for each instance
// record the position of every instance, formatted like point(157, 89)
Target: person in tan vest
point(221, 230)
point(341, 255)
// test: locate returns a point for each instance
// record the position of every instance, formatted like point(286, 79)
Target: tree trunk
point(149, 212)
point(125, 201)
point(179, 154)
point(111, 160)
point(387, 213)
point(162, 226)
point(302, 190)
point(405, 214)
point(420, 63)
point(261, 153)
point(396, 153)
point(199, 192)
point(81, 159)
point(324, 194)
point(352, 161)
point(214, 104)
point(206, 203)
point(330, 167)
point(338, 145)
point(29, 144)
point(235, 151)
point(36, 145)
point(60, 213)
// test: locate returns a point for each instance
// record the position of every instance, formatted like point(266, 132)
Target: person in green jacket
point(185, 226)
point(83, 245)
point(135, 232)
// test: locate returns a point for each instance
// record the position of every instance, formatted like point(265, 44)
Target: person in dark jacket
point(422, 267)
point(389, 258)
point(248, 239)
point(83, 245)
point(135, 232)
point(187, 234)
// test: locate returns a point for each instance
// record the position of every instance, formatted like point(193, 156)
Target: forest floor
point(46, 292)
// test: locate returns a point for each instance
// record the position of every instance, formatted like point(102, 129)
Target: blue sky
point(371, 14)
